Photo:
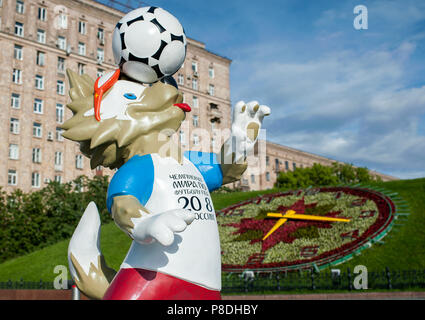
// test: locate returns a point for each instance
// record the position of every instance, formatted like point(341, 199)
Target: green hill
point(403, 249)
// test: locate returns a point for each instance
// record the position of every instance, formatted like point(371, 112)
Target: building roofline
point(103, 7)
point(201, 45)
point(301, 151)
point(327, 159)
point(119, 14)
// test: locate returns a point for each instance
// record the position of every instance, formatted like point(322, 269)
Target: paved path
point(335, 296)
point(66, 295)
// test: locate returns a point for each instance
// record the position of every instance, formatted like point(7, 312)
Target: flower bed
point(299, 243)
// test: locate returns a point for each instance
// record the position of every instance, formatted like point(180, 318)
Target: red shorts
point(140, 284)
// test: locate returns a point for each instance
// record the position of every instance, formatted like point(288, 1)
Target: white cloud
point(343, 105)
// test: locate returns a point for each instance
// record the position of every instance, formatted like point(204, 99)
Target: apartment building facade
point(39, 41)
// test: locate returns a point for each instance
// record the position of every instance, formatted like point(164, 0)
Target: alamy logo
point(61, 281)
point(361, 20)
point(361, 280)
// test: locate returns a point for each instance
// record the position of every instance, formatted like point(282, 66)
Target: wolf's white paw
point(246, 125)
point(162, 226)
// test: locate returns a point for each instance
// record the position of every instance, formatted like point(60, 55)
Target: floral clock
point(303, 228)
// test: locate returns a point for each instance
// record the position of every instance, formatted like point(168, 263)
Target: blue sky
point(352, 95)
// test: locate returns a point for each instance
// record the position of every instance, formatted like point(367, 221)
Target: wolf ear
point(81, 86)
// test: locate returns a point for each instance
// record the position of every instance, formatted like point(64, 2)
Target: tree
point(320, 175)
point(30, 221)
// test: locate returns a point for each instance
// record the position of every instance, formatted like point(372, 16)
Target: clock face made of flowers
point(328, 226)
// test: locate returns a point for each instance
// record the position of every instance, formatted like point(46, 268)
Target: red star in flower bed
point(285, 233)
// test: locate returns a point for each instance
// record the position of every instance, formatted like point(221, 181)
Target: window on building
point(61, 43)
point(81, 67)
point(79, 163)
point(81, 48)
point(42, 14)
point(62, 20)
point(195, 140)
point(194, 66)
point(286, 165)
point(58, 160)
point(18, 52)
point(39, 82)
point(40, 58)
point(14, 125)
point(35, 180)
point(59, 132)
point(13, 151)
point(194, 84)
point(60, 112)
point(267, 160)
point(195, 102)
point(19, 29)
point(20, 6)
point(41, 36)
point(180, 79)
point(99, 171)
point(100, 72)
point(15, 101)
point(211, 72)
point(277, 164)
point(82, 27)
point(268, 176)
point(195, 121)
point(61, 64)
point(38, 106)
point(252, 178)
point(60, 87)
point(294, 165)
point(17, 76)
point(58, 179)
point(37, 130)
point(100, 55)
point(211, 90)
point(36, 155)
point(101, 34)
point(12, 178)
point(182, 137)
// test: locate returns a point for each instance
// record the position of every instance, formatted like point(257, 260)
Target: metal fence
point(30, 285)
point(323, 281)
point(287, 281)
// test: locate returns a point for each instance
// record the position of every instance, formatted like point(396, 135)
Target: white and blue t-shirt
point(162, 184)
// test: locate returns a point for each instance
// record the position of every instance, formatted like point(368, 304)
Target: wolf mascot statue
point(159, 196)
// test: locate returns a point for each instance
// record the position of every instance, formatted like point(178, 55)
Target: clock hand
point(307, 217)
point(275, 227)
point(281, 221)
point(291, 214)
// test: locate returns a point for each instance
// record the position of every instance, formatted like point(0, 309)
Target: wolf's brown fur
point(111, 142)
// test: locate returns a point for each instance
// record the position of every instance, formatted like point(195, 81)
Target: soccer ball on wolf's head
point(148, 44)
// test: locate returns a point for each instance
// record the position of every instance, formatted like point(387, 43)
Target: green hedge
point(30, 221)
point(320, 175)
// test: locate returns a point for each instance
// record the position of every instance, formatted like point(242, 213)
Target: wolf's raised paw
point(247, 121)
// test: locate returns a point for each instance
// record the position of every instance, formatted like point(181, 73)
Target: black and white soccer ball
point(149, 43)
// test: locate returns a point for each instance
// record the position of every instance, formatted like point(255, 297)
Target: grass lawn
point(403, 249)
